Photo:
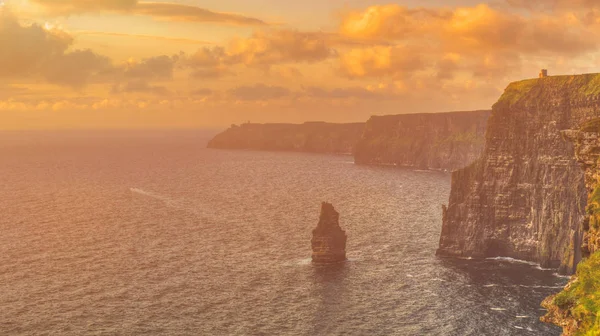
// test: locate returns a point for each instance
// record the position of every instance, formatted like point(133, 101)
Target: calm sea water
point(149, 233)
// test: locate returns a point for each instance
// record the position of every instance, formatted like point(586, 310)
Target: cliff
point(525, 197)
point(576, 307)
point(428, 140)
point(329, 240)
point(319, 137)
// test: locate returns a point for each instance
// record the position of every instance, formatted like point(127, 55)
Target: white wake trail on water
point(165, 199)
point(175, 204)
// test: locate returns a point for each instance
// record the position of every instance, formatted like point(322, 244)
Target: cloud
point(140, 86)
point(482, 28)
point(65, 7)
point(7, 91)
point(179, 12)
point(392, 22)
point(75, 68)
point(355, 92)
point(280, 46)
point(158, 10)
point(262, 92)
point(36, 52)
point(201, 92)
point(285, 72)
point(259, 92)
point(379, 61)
point(208, 57)
point(159, 67)
point(264, 49)
point(26, 49)
point(142, 36)
point(465, 42)
point(474, 29)
point(553, 5)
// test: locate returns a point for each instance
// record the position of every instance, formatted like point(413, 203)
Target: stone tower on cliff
point(329, 240)
point(543, 73)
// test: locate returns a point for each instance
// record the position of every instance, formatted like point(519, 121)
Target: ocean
point(150, 233)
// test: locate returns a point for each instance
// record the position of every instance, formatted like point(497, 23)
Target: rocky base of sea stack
point(329, 240)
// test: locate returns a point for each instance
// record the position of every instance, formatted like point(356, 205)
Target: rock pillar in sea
point(328, 240)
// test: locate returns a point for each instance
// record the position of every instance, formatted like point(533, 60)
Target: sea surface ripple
point(149, 233)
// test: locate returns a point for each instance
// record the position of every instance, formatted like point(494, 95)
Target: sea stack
point(329, 240)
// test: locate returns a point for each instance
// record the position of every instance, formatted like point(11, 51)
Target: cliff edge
point(525, 197)
point(449, 140)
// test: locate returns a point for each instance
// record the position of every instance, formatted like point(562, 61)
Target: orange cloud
point(259, 92)
point(179, 12)
point(280, 46)
point(35, 51)
point(469, 29)
point(140, 86)
point(378, 61)
point(159, 10)
point(483, 28)
point(263, 49)
point(392, 22)
point(483, 41)
point(65, 7)
point(141, 36)
point(159, 67)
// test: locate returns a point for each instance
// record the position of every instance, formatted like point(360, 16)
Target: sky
point(95, 64)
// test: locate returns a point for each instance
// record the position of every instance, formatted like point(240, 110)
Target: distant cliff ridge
point(427, 140)
point(525, 197)
point(319, 137)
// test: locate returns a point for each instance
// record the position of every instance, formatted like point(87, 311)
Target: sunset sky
point(210, 63)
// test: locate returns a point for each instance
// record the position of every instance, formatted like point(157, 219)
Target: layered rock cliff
point(525, 197)
point(319, 137)
point(329, 240)
point(576, 307)
point(427, 140)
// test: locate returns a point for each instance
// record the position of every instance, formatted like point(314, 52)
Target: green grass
point(578, 87)
point(582, 299)
point(517, 90)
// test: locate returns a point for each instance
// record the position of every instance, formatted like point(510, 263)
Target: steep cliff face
point(427, 140)
point(587, 152)
point(525, 197)
point(576, 307)
point(316, 137)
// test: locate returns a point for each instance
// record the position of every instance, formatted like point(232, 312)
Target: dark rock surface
point(525, 197)
point(587, 152)
point(329, 240)
point(449, 140)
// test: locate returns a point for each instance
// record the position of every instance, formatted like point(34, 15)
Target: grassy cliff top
point(467, 114)
point(305, 124)
point(576, 86)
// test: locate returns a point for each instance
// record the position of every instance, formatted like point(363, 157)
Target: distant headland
point(445, 141)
